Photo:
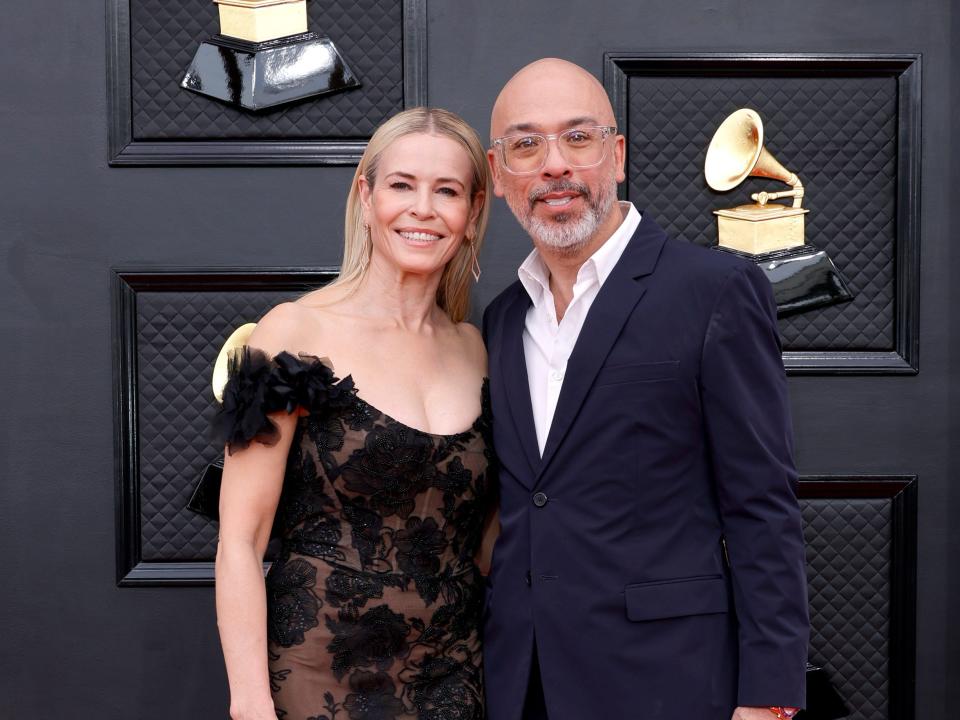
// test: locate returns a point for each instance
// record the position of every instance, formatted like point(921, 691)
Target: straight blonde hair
point(453, 293)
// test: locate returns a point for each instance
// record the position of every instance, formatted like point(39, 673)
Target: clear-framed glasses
point(526, 153)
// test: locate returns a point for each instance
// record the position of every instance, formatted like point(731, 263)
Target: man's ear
point(620, 156)
point(496, 171)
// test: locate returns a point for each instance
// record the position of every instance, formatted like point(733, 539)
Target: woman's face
point(420, 208)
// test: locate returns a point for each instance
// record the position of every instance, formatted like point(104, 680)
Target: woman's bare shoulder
point(283, 328)
point(472, 343)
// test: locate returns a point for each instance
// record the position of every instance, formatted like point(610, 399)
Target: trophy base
point(757, 229)
point(803, 278)
point(257, 76)
point(205, 499)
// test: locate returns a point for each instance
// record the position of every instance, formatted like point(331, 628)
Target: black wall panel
point(169, 326)
point(164, 36)
point(861, 553)
point(155, 122)
point(848, 125)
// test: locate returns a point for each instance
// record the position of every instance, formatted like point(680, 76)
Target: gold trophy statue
point(221, 368)
point(205, 498)
point(265, 56)
point(770, 233)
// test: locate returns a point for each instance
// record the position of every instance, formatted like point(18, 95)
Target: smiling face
point(563, 208)
point(419, 207)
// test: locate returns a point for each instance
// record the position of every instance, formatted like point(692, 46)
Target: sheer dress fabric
point(374, 600)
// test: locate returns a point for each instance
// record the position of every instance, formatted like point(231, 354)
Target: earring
point(475, 265)
point(365, 257)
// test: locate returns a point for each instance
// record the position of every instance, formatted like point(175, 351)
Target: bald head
point(567, 206)
point(550, 91)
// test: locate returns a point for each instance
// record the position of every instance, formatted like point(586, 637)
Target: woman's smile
point(420, 237)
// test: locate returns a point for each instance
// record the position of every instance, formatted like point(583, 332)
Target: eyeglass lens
point(581, 147)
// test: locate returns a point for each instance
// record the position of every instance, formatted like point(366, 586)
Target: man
point(650, 562)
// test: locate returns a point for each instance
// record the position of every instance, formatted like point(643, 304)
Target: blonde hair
point(453, 293)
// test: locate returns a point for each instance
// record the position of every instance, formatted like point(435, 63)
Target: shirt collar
point(535, 276)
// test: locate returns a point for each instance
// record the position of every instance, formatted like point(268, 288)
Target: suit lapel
point(513, 370)
point(614, 303)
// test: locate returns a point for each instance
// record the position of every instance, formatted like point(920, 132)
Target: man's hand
point(752, 713)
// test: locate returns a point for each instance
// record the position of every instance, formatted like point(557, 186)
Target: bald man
point(650, 562)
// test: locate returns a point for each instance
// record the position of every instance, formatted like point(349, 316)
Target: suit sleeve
point(484, 326)
point(747, 415)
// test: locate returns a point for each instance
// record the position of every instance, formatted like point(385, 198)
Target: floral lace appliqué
point(374, 600)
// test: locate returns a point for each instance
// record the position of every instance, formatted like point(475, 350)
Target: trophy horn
point(737, 152)
point(221, 368)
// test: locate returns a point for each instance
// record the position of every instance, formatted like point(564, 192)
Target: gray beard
point(565, 233)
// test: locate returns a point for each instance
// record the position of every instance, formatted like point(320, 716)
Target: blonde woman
point(355, 420)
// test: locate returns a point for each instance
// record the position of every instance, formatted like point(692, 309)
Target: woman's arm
point(250, 490)
point(477, 352)
point(249, 494)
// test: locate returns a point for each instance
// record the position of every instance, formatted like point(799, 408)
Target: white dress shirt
point(547, 344)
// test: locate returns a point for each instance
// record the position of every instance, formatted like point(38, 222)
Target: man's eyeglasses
point(526, 153)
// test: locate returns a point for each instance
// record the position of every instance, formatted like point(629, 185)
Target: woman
point(372, 462)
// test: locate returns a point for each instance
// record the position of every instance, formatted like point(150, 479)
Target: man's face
point(561, 206)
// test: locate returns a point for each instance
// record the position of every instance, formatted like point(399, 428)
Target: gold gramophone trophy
point(265, 56)
point(770, 233)
point(205, 498)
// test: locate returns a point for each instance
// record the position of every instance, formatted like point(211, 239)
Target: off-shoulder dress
point(374, 600)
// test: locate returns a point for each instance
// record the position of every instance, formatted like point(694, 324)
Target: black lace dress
point(374, 601)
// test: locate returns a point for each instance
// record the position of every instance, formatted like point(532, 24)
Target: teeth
point(559, 201)
point(419, 236)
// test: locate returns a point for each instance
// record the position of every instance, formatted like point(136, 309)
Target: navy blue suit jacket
point(671, 439)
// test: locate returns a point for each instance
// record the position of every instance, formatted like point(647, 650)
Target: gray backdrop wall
point(72, 643)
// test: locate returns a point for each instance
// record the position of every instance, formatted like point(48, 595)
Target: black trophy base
point(205, 499)
point(823, 700)
point(803, 278)
point(257, 76)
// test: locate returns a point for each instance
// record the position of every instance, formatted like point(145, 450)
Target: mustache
point(558, 186)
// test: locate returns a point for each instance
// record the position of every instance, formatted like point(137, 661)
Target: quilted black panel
point(837, 133)
point(165, 35)
point(178, 336)
point(848, 570)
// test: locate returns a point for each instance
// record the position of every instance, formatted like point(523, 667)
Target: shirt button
point(556, 375)
point(540, 499)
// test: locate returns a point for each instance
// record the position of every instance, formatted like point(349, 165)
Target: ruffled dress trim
point(258, 385)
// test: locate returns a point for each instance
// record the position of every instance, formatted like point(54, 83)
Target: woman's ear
point(366, 190)
point(476, 206)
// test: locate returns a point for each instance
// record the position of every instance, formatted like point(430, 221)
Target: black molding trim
point(125, 284)
point(901, 490)
point(126, 151)
point(903, 358)
point(414, 53)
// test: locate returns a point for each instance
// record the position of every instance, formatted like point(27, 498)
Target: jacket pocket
point(638, 372)
point(702, 595)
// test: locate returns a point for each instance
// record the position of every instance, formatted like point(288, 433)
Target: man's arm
point(747, 413)
point(484, 327)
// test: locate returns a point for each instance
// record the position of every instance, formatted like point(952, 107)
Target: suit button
point(540, 499)
point(526, 578)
